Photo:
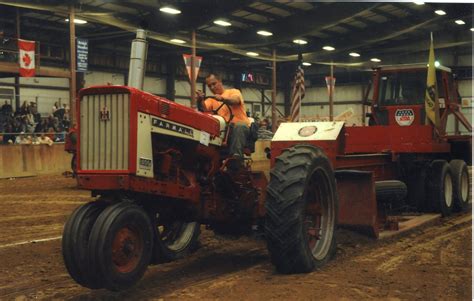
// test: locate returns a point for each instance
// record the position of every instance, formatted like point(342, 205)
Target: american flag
point(297, 93)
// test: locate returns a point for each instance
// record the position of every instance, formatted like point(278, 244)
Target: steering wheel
point(200, 107)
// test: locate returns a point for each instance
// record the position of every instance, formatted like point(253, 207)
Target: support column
point(331, 96)
point(274, 92)
point(72, 66)
point(193, 71)
point(17, 103)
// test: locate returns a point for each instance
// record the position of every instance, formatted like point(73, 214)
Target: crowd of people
point(26, 126)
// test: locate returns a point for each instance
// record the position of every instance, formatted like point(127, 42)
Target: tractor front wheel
point(120, 245)
point(75, 243)
point(177, 239)
point(301, 210)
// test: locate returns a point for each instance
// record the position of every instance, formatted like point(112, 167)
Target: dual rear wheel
point(440, 187)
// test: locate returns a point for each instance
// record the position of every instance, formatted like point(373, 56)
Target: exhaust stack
point(138, 55)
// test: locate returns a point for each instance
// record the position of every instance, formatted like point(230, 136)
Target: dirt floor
point(431, 263)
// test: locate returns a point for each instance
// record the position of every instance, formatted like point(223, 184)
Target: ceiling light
point(472, 29)
point(329, 48)
point(264, 33)
point(354, 54)
point(460, 22)
point(170, 10)
point(306, 64)
point(177, 41)
point(440, 12)
point(222, 23)
point(419, 2)
point(376, 60)
point(300, 42)
point(437, 64)
point(78, 21)
point(250, 53)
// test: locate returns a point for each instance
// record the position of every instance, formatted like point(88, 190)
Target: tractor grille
point(105, 123)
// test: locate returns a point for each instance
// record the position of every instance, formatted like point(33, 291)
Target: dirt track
point(432, 263)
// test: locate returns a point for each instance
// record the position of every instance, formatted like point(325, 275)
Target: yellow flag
point(431, 94)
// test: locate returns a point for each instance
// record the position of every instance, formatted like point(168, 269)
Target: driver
point(234, 99)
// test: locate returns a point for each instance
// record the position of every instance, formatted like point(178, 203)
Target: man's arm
point(232, 99)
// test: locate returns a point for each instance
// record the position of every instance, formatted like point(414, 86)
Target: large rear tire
point(460, 177)
point(440, 187)
point(120, 245)
point(301, 210)
point(75, 242)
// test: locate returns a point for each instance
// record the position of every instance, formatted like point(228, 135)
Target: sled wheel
point(120, 245)
point(75, 242)
point(460, 178)
point(440, 187)
point(301, 209)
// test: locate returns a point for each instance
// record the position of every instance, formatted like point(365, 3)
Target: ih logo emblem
point(104, 114)
point(404, 117)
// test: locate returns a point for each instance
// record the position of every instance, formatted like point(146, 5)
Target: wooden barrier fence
point(28, 160)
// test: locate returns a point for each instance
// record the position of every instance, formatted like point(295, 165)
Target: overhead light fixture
point(250, 53)
point(222, 23)
point(264, 33)
point(329, 48)
point(170, 10)
point(300, 42)
point(472, 28)
point(354, 54)
point(460, 22)
point(376, 60)
point(419, 2)
point(440, 12)
point(78, 21)
point(177, 41)
point(437, 64)
point(306, 64)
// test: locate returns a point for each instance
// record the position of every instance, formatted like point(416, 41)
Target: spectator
point(43, 139)
point(24, 108)
point(55, 107)
point(59, 113)
point(8, 136)
point(7, 108)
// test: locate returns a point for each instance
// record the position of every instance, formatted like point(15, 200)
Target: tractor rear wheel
point(177, 239)
point(301, 210)
point(440, 187)
point(460, 185)
point(120, 245)
point(75, 242)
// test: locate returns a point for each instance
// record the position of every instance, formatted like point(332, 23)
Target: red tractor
point(160, 170)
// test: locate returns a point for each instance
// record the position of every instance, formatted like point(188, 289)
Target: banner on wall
point(26, 57)
point(330, 83)
point(82, 49)
point(197, 65)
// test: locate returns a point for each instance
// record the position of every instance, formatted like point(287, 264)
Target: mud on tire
point(301, 210)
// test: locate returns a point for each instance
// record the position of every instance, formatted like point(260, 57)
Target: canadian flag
point(26, 57)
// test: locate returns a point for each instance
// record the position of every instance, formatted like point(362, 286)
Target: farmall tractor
point(160, 170)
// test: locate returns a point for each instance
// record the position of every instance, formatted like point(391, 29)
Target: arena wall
point(28, 160)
